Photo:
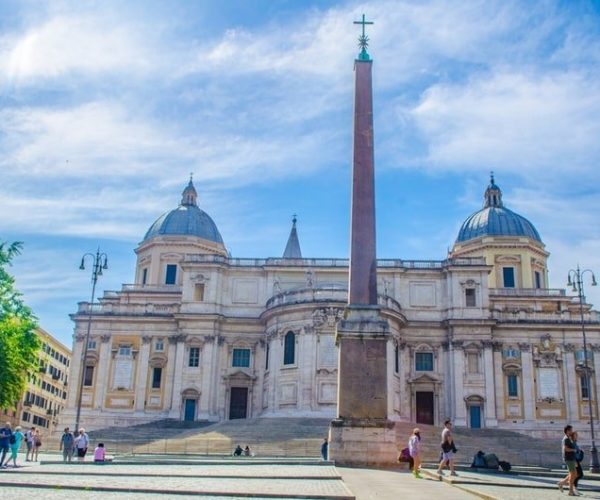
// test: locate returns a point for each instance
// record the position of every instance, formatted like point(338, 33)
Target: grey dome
point(186, 220)
point(496, 220)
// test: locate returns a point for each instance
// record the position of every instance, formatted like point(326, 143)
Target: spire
point(363, 263)
point(363, 41)
point(493, 194)
point(189, 196)
point(292, 249)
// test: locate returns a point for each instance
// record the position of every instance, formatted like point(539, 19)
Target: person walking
point(448, 450)
point(568, 455)
point(414, 448)
point(29, 443)
point(325, 449)
point(578, 459)
point(5, 438)
point(67, 445)
point(37, 444)
point(15, 444)
point(82, 442)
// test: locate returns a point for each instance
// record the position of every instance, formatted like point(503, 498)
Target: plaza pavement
point(159, 477)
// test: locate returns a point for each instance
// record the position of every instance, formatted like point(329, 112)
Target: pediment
point(239, 375)
point(424, 378)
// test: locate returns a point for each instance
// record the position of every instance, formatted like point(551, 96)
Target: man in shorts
point(5, 434)
point(448, 450)
point(568, 455)
point(29, 436)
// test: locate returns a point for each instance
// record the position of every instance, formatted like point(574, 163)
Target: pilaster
point(529, 396)
point(102, 376)
point(142, 374)
point(490, 416)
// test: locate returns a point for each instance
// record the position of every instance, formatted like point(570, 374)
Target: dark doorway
point(189, 410)
point(424, 407)
point(238, 403)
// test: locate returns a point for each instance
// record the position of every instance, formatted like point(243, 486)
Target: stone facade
point(235, 338)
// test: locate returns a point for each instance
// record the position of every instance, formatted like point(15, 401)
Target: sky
point(106, 107)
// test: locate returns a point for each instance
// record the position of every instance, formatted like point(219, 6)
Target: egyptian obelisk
point(362, 433)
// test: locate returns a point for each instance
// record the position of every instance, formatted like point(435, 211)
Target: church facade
point(477, 337)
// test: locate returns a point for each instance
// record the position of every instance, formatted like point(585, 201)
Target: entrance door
point(189, 413)
point(424, 407)
point(475, 417)
point(238, 403)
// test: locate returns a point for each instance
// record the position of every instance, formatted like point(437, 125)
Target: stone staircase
point(302, 437)
point(513, 447)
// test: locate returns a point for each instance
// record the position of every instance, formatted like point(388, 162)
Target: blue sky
point(106, 107)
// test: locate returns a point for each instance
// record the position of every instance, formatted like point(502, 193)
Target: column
point(171, 359)
point(499, 381)
point(460, 408)
point(178, 377)
point(142, 374)
point(571, 389)
point(529, 395)
point(490, 389)
point(75, 372)
point(102, 376)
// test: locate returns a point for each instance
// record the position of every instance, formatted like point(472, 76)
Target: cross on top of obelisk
point(363, 40)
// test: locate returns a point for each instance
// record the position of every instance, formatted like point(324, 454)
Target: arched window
point(289, 349)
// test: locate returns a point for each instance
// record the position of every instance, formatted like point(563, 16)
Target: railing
point(273, 261)
point(542, 317)
point(147, 309)
point(528, 292)
point(135, 287)
point(324, 294)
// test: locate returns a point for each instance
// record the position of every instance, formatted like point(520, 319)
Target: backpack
point(491, 461)
point(579, 455)
point(479, 460)
point(12, 439)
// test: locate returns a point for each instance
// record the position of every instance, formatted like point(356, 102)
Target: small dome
point(186, 220)
point(496, 220)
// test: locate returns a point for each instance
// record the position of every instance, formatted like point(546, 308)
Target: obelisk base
point(362, 434)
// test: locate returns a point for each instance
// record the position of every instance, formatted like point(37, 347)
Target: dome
point(494, 219)
point(186, 220)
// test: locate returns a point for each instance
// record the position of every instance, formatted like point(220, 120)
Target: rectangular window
point(156, 376)
point(171, 274)
point(89, 376)
point(585, 387)
point(538, 279)
point(508, 275)
point(470, 297)
point(513, 386)
point(194, 359)
point(125, 350)
point(473, 362)
point(159, 345)
point(424, 361)
point(144, 275)
point(396, 359)
point(580, 357)
point(91, 345)
point(26, 416)
point(199, 292)
point(241, 357)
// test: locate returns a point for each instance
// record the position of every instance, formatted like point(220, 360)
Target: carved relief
point(327, 315)
point(546, 353)
point(199, 278)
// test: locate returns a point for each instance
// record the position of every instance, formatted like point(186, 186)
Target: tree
point(19, 344)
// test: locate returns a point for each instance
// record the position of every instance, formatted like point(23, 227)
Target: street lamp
point(575, 280)
point(99, 263)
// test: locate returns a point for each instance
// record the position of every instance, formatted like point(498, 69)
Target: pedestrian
point(15, 444)
point(448, 450)
point(578, 458)
point(325, 449)
point(99, 453)
point(67, 445)
point(82, 442)
point(29, 443)
point(414, 448)
point(5, 438)
point(568, 455)
point(37, 444)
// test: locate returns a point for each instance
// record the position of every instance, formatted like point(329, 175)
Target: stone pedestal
point(361, 433)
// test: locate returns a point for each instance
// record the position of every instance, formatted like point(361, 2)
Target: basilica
point(477, 337)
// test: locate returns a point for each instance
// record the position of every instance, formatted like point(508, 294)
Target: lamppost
point(99, 263)
point(575, 279)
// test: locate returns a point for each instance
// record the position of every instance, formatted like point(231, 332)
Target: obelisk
point(362, 433)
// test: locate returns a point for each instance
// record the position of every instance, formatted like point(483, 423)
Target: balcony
point(528, 292)
point(135, 287)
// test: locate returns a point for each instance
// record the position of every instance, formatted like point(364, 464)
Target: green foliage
point(19, 344)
